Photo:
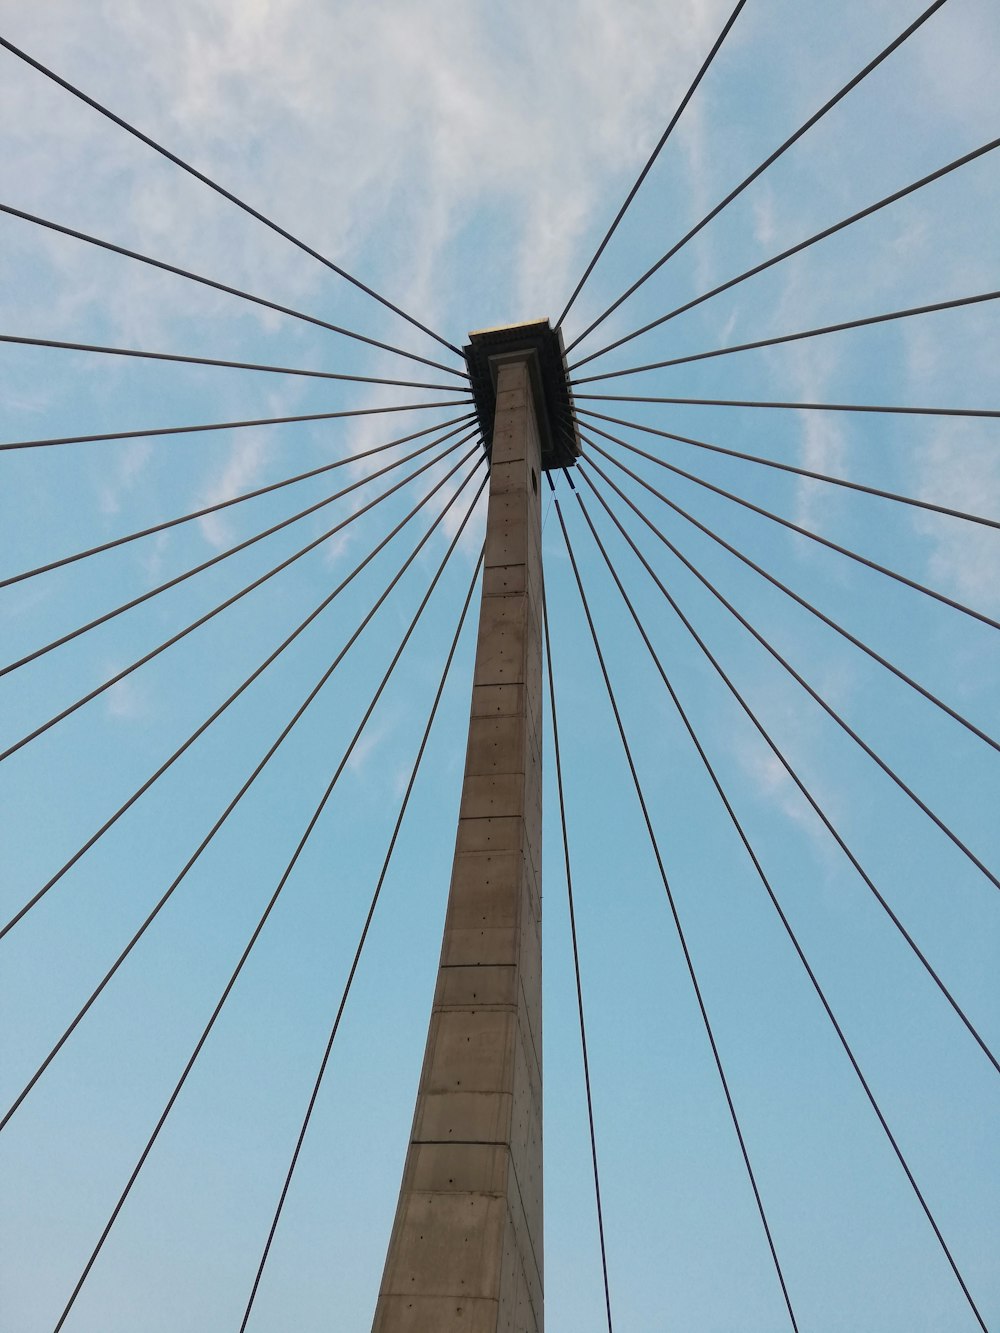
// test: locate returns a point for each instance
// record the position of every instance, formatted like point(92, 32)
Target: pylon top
point(487, 348)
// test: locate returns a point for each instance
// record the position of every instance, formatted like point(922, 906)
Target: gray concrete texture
point(465, 1254)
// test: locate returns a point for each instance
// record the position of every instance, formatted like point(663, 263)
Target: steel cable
point(831, 712)
point(217, 712)
point(222, 425)
point(817, 809)
point(827, 620)
point(792, 527)
point(796, 407)
point(768, 161)
point(205, 842)
point(175, 357)
point(269, 489)
point(263, 920)
point(957, 303)
point(243, 545)
point(859, 216)
point(646, 170)
point(796, 471)
point(781, 914)
point(222, 606)
point(304, 1128)
point(49, 225)
point(677, 921)
point(226, 194)
point(576, 955)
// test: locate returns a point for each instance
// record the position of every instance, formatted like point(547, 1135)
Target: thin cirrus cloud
point(399, 119)
point(960, 468)
point(365, 127)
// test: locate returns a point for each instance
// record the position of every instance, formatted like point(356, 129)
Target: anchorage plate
point(547, 362)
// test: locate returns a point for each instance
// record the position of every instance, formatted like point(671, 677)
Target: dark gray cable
point(226, 504)
point(777, 907)
point(264, 916)
point(816, 807)
point(677, 923)
point(304, 1129)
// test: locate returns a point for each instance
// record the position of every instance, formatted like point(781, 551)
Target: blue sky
point(465, 161)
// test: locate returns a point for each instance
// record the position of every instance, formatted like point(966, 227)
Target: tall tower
point(465, 1254)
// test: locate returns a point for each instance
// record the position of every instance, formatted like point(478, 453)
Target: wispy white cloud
point(123, 475)
point(823, 449)
point(768, 778)
point(247, 459)
point(153, 556)
point(961, 44)
point(368, 744)
point(958, 465)
point(764, 229)
point(413, 119)
point(960, 468)
point(127, 701)
point(807, 369)
point(336, 547)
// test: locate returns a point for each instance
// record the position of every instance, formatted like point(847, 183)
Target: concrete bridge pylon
point(465, 1255)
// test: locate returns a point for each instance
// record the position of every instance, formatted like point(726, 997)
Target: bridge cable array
point(226, 194)
point(754, 859)
point(769, 161)
point(442, 496)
